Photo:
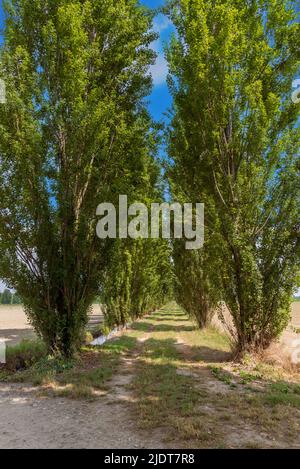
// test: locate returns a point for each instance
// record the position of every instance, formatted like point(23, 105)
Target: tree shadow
point(168, 390)
point(95, 320)
point(143, 326)
point(168, 318)
point(189, 353)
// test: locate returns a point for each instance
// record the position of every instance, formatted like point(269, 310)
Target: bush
point(24, 355)
point(6, 297)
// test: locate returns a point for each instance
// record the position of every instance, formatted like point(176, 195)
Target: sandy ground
point(296, 314)
point(14, 325)
point(290, 339)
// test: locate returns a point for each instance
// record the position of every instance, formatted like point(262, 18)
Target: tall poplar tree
point(234, 144)
point(76, 74)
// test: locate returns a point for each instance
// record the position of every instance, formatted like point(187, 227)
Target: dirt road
point(173, 387)
point(31, 420)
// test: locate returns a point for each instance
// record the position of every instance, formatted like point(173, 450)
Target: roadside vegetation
point(84, 137)
point(9, 298)
point(75, 132)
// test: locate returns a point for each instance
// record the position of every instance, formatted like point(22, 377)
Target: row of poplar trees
point(75, 132)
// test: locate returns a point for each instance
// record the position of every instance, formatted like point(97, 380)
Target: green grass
point(177, 383)
point(173, 390)
point(165, 391)
point(222, 376)
point(24, 355)
point(282, 393)
point(164, 396)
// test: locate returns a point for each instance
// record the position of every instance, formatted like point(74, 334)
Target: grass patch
point(81, 377)
point(172, 391)
point(222, 376)
point(176, 384)
point(165, 396)
point(96, 365)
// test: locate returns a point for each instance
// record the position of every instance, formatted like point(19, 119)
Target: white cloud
point(160, 23)
point(159, 70)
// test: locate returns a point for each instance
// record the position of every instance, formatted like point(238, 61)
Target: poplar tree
point(234, 144)
point(76, 74)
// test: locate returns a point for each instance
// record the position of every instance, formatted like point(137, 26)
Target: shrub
point(24, 355)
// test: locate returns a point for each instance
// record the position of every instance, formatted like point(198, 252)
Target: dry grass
point(186, 383)
point(83, 377)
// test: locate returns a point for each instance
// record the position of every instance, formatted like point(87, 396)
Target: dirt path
point(175, 387)
point(31, 421)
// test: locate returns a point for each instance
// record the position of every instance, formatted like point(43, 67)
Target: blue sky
point(160, 99)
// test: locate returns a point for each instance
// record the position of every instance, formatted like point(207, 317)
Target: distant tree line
point(9, 298)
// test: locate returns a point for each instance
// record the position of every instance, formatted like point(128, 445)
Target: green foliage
point(196, 283)
point(283, 393)
point(6, 297)
point(139, 279)
point(222, 376)
point(24, 355)
point(234, 145)
point(16, 300)
point(73, 133)
point(117, 298)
